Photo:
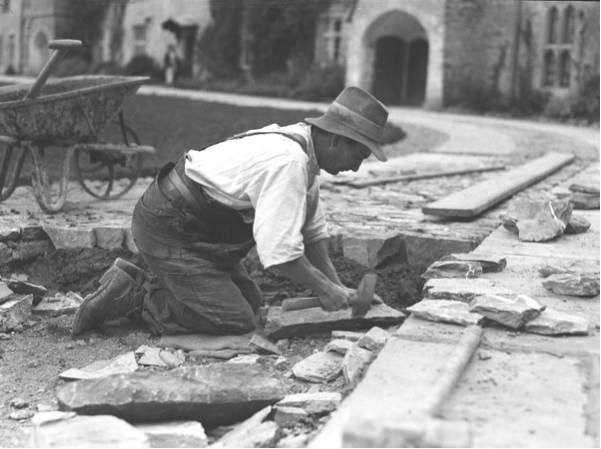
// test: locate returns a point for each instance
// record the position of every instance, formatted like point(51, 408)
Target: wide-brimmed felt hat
point(357, 115)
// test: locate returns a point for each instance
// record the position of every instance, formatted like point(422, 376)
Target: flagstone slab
point(109, 237)
point(15, 311)
point(453, 269)
point(339, 345)
point(463, 290)
point(490, 263)
point(354, 363)
point(60, 304)
point(214, 395)
point(510, 312)
point(552, 322)
point(319, 403)
point(124, 363)
point(320, 367)
point(537, 221)
point(67, 429)
point(65, 237)
point(174, 434)
point(441, 310)
point(374, 339)
point(312, 321)
point(573, 284)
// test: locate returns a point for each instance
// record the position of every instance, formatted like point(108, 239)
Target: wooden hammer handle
point(300, 303)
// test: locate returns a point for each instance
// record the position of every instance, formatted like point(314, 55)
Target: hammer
point(365, 295)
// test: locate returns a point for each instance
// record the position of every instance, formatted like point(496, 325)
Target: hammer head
point(365, 295)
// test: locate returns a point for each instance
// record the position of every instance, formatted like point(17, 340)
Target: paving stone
point(312, 321)
point(320, 367)
point(577, 225)
point(585, 201)
point(30, 233)
point(11, 234)
point(123, 363)
point(216, 395)
point(463, 290)
point(347, 335)
point(552, 322)
point(445, 311)
point(411, 432)
point(354, 363)
point(174, 434)
point(370, 250)
point(453, 269)
point(253, 432)
point(109, 237)
point(514, 313)
point(128, 240)
point(573, 284)
point(289, 415)
point(374, 339)
point(64, 237)
point(67, 429)
point(57, 305)
point(15, 312)
point(320, 403)
point(537, 221)
point(339, 345)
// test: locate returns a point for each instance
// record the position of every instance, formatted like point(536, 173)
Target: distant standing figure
point(170, 65)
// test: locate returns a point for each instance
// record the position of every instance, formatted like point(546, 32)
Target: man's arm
point(332, 295)
point(317, 254)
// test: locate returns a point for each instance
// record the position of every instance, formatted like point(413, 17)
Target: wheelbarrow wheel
point(105, 175)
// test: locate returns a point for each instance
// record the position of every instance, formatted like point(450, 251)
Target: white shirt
point(271, 175)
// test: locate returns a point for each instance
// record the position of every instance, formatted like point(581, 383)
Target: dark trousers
point(201, 285)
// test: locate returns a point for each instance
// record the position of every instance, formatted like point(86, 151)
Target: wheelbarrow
point(73, 114)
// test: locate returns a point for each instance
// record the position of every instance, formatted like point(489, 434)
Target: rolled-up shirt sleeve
point(279, 197)
point(315, 227)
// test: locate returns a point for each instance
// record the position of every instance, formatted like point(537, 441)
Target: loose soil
point(33, 357)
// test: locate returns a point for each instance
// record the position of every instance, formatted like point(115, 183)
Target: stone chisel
point(365, 295)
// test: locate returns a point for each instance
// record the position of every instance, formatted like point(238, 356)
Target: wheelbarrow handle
point(60, 47)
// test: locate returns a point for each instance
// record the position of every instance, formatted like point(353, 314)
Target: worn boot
point(113, 299)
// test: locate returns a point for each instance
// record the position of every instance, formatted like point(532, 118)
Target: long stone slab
point(313, 321)
point(479, 197)
point(219, 394)
point(521, 413)
point(496, 337)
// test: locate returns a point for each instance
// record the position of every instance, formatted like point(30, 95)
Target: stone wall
point(479, 48)
point(361, 51)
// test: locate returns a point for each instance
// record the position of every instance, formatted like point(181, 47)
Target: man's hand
point(336, 298)
point(353, 297)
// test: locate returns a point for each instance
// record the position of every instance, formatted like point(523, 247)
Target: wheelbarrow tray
point(73, 109)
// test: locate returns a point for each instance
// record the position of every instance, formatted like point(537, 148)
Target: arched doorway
point(401, 51)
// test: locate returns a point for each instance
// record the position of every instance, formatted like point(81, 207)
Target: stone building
point(439, 52)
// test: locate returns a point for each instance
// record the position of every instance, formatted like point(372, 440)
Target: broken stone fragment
point(173, 359)
point(245, 358)
point(124, 363)
point(5, 292)
point(374, 339)
point(66, 429)
point(150, 357)
point(354, 363)
point(320, 367)
point(511, 313)
point(261, 345)
point(453, 269)
point(60, 304)
point(26, 288)
point(537, 220)
point(128, 241)
point(577, 225)
point(552, 322)
point(18, 403)
point(347, 335)
point(370, 250)
point(445, 311)
point(109, 237)
point(15, 312)
point(340, 346)
point(463, 290)
point(320, 403)
point(215, 395)
point(30, 233)
point(490, 263)
point(312, 321)
point(585, 201)
point(65, 237)
point(573, 284)
point(11, 234)
point(21, 415)
point(253, 432)
point(174, 434)
point(289, 415)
